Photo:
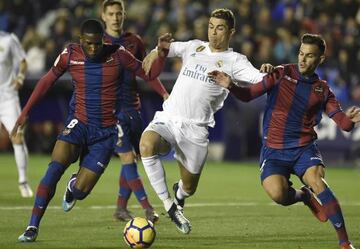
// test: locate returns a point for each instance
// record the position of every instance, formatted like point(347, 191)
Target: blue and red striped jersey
point(129, 92)
point(294, 107)
point(96, 83)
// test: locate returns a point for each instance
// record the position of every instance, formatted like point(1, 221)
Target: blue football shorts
point(288, 161)
point(130, 128)
point(96, 143)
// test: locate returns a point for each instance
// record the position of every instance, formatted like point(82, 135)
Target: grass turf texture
point(229, 211)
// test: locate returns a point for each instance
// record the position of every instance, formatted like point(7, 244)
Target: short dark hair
point(107, 3)
point(315, 39)
point(226, 15)
point(92, 26)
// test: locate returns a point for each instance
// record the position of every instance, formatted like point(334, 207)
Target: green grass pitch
point(229, 211)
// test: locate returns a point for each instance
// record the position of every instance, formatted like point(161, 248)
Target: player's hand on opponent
point(221, 78)
point(266, 68)
point(353, 113)
point(19, 126)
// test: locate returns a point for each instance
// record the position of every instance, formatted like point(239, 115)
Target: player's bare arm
point(163, 46)
point(353, 113)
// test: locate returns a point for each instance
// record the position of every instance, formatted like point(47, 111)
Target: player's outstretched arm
point(42, 87)
point(252, 91)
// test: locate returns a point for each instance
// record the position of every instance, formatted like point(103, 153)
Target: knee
point(278, 195)
point(128, 157)
point(317, 184)
point(79, 194)
point(147, 148)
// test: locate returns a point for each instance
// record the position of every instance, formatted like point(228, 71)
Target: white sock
point(156, 175)
point(21, 158)
point(168, 203)
point(181, 194)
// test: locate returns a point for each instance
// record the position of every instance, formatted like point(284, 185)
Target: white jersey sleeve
point(244, 71)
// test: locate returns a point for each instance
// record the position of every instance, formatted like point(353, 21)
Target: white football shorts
point(9, 112)
point(189, 140)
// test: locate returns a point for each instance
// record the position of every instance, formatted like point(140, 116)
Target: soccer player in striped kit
point(128, 114)
point(296, 98)
point(90, 131)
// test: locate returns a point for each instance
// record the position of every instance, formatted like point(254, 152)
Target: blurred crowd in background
point(266, 31)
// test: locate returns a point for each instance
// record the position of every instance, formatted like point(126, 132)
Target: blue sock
point(46, 191)
point(333, 211)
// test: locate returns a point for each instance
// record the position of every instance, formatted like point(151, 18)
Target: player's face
point(219, 34)
point(91, 44)
point(113, 16)
point(309, 58)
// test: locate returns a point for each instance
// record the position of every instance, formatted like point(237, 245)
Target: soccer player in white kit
point(13, 67)
point(189, 111)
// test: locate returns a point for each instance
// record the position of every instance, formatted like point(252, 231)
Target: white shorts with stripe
point(189, 140)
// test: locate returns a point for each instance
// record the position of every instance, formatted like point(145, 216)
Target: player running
point(296, 98)
point(90, 131)
point(189, 111)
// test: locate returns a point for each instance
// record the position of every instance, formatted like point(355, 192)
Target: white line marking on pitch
point(215, 204)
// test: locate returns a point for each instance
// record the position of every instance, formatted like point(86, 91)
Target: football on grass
point(139, 233)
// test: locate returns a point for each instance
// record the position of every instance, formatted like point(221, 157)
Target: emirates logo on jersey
point(200, 48)
point(318, 90)
point(219, 63)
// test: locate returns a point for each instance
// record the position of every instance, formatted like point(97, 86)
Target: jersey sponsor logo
point(72, 62)
point(199, 73)
point(200, 48)
point(219, 63)
point(315, 158)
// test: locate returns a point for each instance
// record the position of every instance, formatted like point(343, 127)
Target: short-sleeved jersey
point(129, 93)
point(11, 54)
point(96, 83)
point(294, 107)
point(195, 96)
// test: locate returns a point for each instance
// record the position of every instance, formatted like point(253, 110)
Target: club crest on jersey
point(200, 48)
point(318, 90)
point(219, 63)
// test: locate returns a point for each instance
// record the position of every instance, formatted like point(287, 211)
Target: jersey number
point(72, 123)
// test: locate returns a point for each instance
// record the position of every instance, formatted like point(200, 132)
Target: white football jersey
point(11, 54)
point(194, 96)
